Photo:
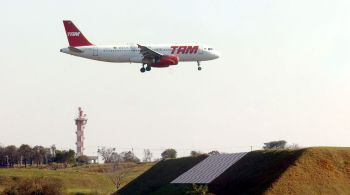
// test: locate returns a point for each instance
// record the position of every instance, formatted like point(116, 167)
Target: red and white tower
point(80, 121)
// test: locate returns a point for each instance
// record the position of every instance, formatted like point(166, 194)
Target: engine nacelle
point(166, 61)
point(148, 61)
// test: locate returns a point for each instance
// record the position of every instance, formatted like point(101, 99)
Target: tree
point(65, 156)
point(11, 155)
point(147, 155)
point(106, 154)
point(25, 151)
point(48, 156)
point(129, 157)
point(39, 154)
point(117, 173)
point(53, 151)
point(169, 153)
point(275, 145)
point(2, 156)
point(115, 157)
point(70, 156)
point(214, 152)
point(195, 153)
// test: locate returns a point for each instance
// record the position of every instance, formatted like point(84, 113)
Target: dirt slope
point(316, 171)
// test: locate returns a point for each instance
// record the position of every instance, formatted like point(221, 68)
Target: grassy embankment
point(83, 179)
point(321, 170)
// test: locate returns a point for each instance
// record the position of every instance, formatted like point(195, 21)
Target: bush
point(55, 166)
point(195, 153)
point(169, 153)
point(199, 190)
point(82, 160)
point(37, 186)
point(214, 152)
point(275, 145)
point(65, 156)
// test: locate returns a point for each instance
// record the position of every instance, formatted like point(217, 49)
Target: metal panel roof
point(209, 169)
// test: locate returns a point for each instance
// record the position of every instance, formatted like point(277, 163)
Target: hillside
point(321, 170)
point(303, 171)
point(160, 175)
point(255, 172)
point(82, 179)
point(318, 171)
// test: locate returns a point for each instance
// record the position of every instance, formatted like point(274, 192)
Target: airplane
point(157, 56)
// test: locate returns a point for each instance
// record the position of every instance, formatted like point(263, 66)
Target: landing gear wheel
point(148, 68)
point(199, 65)
point(142, 69)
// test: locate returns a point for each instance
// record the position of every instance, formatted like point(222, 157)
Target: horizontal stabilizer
point(75, 49)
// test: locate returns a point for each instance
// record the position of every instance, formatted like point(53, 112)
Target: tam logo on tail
point(73, 34)
point(75, 37)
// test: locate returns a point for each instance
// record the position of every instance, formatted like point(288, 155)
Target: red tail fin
point(75, 37)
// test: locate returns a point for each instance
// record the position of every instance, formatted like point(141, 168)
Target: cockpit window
point(210, 49)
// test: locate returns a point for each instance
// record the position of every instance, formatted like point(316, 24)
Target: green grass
point(73, 180)
point(85, 179)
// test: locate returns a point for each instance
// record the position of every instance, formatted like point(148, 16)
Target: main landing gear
point(199, 66)
point(143, 69)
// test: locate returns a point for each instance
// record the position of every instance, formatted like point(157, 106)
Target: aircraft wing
point(149, 53)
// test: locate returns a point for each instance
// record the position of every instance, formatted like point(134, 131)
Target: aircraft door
point(95, 51)
point(201, 50)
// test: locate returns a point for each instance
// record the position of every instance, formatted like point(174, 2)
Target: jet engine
point(166, 61)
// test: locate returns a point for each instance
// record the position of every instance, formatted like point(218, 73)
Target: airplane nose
point(216, 55)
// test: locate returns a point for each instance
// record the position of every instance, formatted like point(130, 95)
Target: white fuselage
point(131, 53)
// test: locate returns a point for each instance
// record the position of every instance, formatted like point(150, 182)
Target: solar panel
point(209, 169)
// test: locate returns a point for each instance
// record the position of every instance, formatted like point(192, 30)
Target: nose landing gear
point(199, 66)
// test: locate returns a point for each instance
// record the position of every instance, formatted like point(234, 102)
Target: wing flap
point(148, 52)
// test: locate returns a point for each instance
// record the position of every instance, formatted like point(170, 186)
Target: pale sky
point(283, 74)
